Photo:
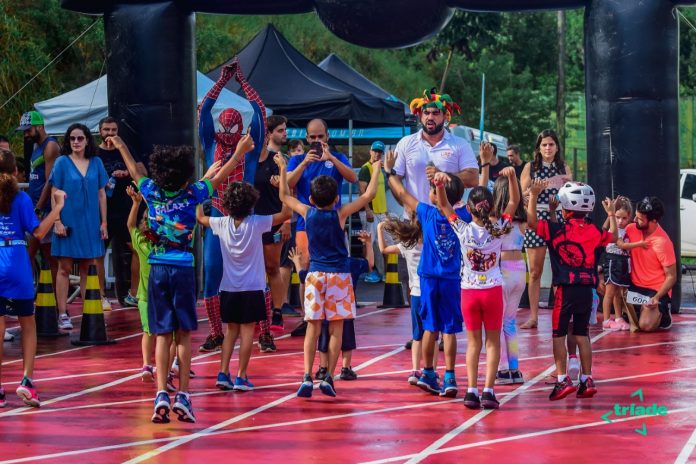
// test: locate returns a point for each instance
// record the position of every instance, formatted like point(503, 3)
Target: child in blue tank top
point(328, 285)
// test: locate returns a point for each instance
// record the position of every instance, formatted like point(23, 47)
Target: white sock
point(473, 390)
point(584, 377)
point(561, 378)
point(487, 390)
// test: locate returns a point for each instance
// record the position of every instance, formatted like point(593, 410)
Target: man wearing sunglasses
point(653, 266)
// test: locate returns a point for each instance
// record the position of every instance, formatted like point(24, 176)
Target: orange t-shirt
point(647, 264)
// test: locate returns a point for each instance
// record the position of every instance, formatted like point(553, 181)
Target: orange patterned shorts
point(329, 295)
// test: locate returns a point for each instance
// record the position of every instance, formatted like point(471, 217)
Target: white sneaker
point(64, 322)
point(106, 304)
point(574, 369)
point(8, 336)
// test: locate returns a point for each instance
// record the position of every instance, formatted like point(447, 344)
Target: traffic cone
point(294, 297)
point(93, 329)
point(524, 299)
point(46, 312)
point(393, 293)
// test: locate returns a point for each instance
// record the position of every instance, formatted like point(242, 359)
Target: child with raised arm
point(438, 270)
point(171, 200)
point(17, 219)
point(409, 244)
point(242, 298)
point(572, 246)
point(328, 285)
point(481, 243)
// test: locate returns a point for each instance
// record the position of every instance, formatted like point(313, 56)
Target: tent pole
point(350, 186)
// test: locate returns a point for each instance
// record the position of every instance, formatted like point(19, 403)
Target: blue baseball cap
point(377, 146)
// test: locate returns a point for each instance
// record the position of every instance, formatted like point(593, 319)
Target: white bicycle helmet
point(576, 196)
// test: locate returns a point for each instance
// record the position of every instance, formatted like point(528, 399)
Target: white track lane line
point(378, 374)
point(480, 415)
point(220, 425)
point(336, 417)
point(686, 451)
point(524, 436)
point(124, 379)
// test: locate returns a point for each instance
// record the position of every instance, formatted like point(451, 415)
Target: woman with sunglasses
point(81, 228)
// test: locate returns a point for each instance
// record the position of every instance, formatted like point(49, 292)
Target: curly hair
point(171, 166)
point(8, 192)
point(323, 191)
point(90, 148)
point(480, 205)
point(239, 199)
point(8, 162)
point(501, 196)
point(408, 233)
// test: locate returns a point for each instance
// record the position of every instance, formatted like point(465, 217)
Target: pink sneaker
point(147, 374)
point(622, 325)
point(615, 325)
point(27, 393)
point(608, 324)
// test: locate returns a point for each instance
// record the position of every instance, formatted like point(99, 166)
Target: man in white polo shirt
point(419, 156)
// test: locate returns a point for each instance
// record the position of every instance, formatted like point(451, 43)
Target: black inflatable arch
point(631, 72)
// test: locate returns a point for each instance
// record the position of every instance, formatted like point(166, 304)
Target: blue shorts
point(21, 307)
point(171, 299)
point(347, 342)
point(416, 321)
point(440, 305)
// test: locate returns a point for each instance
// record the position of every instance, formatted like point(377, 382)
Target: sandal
point(530, 324)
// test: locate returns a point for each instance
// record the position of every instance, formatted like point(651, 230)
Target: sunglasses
point(645, 205)
point(77, 138)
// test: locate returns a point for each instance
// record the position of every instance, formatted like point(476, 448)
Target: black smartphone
point(317, 147)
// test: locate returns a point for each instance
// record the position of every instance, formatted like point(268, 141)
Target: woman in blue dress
point(81, 229)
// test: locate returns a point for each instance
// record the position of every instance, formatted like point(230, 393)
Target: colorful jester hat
point(431, 99)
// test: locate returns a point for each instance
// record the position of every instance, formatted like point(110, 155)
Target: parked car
point(687, 215)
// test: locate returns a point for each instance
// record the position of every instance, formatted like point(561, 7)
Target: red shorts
point(483, 306)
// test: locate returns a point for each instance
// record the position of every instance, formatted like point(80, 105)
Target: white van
point(687, 215)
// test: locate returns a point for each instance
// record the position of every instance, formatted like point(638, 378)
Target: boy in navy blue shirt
point(328, 285)
point(171, 200)
point(439, 269)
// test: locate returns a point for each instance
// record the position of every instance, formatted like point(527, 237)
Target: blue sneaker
point(224, 381)
point(428, 384)
point(306, 387)
point(373, 277)
point(288, 310)
point(162, 404)
point(241, 384)
point(327, 386)
point(449, 387)
point(183, 408)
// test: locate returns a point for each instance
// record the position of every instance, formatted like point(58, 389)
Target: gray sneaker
point(130, 301)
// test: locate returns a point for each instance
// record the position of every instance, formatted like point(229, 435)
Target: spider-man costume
point(220, 146)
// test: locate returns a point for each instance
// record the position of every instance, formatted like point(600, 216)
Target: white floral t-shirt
point(480, 255)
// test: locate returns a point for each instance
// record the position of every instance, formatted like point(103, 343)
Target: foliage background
point(517, 51)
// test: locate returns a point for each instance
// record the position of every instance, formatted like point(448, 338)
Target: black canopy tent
point(334, 65)
point(295, 87)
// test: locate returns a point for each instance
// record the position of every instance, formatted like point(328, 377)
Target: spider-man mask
point(231, 123)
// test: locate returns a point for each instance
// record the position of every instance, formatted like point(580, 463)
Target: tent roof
point(88, 104)
point(298, 89)
point(335, 66)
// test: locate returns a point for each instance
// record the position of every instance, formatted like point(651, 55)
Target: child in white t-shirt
point(242, 301)
point(409, 245)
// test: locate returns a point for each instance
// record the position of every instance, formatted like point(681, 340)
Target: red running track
point(96, 409)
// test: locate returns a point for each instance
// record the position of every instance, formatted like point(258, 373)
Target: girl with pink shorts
point(482, 281)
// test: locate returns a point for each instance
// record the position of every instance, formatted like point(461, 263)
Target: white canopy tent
point(88, 104)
